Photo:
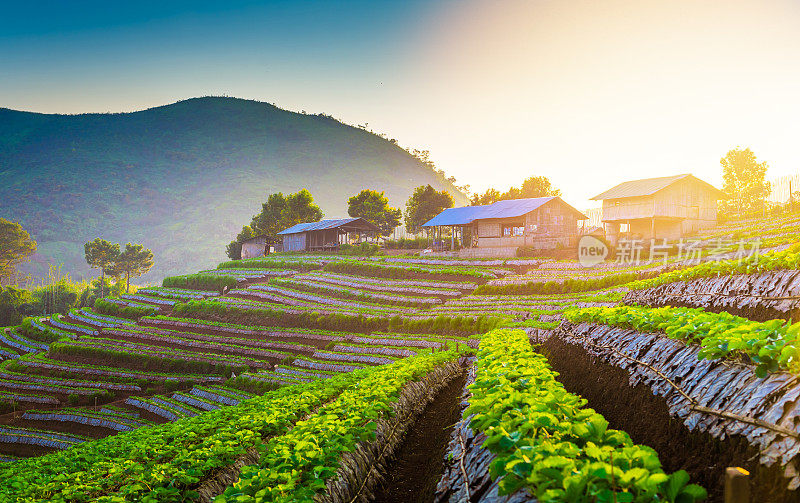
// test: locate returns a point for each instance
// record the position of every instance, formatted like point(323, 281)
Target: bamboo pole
point(737, 485)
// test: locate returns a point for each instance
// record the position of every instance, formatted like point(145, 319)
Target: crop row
point(8, 354)
point(35, 329)
point(326, 365)
point(356, 293)
point(480, 262)
point(57, 322)
point(149, 299)
point(568, 285)
point(47, 388)
point(195, 401)
point(124, 309)
point(376, 350)
point(232, 328)
point(398, 271)
point(772, 346)
point(781, 260)
point(18, 376)
point(284, 290)
point(110, 372)
point(200, 342)
point(546, 440)
point(167, 411)
point(303, 373)
point(352, 357)
point(42, 438)
point(7, 396)
point(220, 341)
point(218, 395)
point(85, 417)
point(175, 293)
point(86, 315)
point(255, 313)
point(204, 282)
point(17, 341)
point(305, 264)
point(173, 457)
point(157, 356)
point(443, 288)
point(296, 466)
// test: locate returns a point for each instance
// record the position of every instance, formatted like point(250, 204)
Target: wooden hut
point(499, 229)
point(259, 246)
point(667, 207)
point(325, 235)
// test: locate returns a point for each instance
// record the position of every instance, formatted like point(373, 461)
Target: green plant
point(773, 345)
point(546, 440)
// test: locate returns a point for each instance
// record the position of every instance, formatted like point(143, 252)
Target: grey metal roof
point(501, 209)
point(326, 224)
point(646, 187)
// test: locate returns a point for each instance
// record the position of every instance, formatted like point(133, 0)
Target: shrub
point(109, 308)
point(205, 282)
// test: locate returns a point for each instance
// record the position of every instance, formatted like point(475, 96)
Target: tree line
point(280, 212)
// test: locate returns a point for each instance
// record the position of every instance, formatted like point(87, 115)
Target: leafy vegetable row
point(546, 440)
point(295, 466)
point(781, 260)
point(167, 462)
point(771, 345)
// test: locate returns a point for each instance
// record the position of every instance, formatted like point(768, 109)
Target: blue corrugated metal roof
point(322, 225)
point(501, 209)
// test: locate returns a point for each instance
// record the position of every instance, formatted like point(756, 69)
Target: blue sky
point(587, 93)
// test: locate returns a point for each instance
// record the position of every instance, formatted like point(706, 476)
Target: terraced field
point(325, 378)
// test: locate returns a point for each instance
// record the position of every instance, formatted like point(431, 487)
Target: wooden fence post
point(737, 485)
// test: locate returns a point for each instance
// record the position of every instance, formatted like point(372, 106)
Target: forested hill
point(182, 179)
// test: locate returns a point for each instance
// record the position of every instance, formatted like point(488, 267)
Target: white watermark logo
point(591, 251)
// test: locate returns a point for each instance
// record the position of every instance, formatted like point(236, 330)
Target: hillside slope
point(182, 178)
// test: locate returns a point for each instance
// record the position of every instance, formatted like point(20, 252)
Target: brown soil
point(645, 417)
point(23, 450)
point(418, 465)
point(65, 427)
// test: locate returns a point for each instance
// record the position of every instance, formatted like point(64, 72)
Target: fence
point(783, 187)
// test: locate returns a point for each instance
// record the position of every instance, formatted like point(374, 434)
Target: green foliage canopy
point(424, 204)
point(134, 261)
point(744, 182)
point(16, 246)
point(373, 206)
point(534, 186)
point(277, 213)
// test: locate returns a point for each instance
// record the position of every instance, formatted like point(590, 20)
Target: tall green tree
point(277, 213)
point(373, 206)
point(101, 254)
point(744, 181)
point(16, 245)
point(132, 262)
point(424, 204)
point(534, 186)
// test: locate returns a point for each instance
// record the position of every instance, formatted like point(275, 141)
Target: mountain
point(183, 178)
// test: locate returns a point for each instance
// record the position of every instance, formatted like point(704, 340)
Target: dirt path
point(417, 467)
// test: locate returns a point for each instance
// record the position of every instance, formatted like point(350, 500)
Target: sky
point(587, 93)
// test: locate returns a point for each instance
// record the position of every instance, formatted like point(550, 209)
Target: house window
point(513, 230)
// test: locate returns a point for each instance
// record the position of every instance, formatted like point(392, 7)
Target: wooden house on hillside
point(668, 207)
point(259, 246)
point(325, 235)
point(499, 229)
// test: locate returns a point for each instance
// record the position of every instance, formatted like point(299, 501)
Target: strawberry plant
point(546, 440)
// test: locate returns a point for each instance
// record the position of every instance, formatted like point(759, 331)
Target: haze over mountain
point(183, 178)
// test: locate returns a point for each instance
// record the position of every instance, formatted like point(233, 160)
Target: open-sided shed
point(323, 235)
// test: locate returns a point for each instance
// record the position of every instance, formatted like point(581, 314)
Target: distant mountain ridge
point(183, 178)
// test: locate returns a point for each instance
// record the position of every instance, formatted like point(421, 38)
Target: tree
point(16, 246)
point(134, 261)
point(300, 208)
point(373, 206)
point(277, 213)
point(270, 221)
point(744, 181)
point(424, 204)
point(234, 249)
point(100, 254)
point(534, 186)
